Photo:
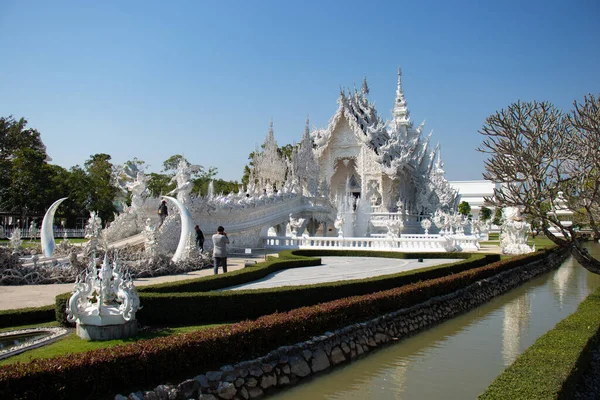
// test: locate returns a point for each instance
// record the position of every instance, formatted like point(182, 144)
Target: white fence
point(58, 233)
point(405, 243)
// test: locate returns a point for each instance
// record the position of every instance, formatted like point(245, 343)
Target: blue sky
point(151, 79)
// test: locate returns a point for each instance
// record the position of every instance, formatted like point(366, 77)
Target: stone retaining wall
point(289, 364)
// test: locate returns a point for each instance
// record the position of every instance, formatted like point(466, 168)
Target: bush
point(145, 363)
point(552, 366)
point(27, 316)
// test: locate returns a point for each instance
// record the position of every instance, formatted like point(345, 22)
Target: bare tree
point(536, 152)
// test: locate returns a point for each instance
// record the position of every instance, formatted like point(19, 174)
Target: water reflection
point(560, 280)
point(458, 359)
point(516, 322)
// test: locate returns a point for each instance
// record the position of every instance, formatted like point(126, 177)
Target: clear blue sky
point(151, 79)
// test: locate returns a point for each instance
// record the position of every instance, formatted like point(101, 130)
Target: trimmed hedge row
point(27, 316)
point(144, 363)
point(184, 308)
point(553, 365)
point(249, 274)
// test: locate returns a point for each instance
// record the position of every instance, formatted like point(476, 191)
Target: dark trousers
point(200, 243)
point(220, 262)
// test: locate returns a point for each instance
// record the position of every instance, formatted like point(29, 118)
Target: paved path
point(12, 297)
point(335, 269)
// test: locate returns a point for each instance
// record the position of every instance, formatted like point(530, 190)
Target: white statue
point(183, 179)
point(426, 224)
point(138, 189)
point(15, 240)
point(33, 231)
point(103, 297)
point(295, 224)
point(513, 239)
point(92, 231)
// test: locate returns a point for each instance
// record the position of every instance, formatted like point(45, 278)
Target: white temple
point(388, 163)
point(386, 166)
point(360, 177)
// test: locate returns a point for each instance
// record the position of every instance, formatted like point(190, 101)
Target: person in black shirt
point(162, 212)
point(199, 238)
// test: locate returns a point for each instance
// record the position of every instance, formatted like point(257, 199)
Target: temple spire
point(401, 114)
point(365, 87)
point(306, 128)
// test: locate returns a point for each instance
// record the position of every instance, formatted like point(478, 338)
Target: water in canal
point(459, 359)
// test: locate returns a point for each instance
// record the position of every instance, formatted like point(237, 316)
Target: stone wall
point(290, 364)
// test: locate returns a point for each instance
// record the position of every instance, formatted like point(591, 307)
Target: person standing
point(220, 242)
point(199, 238)
point(162, 212)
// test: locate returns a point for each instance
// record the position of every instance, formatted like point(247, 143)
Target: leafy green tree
point(159, 184)
point(29, 182)
point(101, 191)
point(485, 213)
point(75, 185)
point(19, 144)
point(464, 208)
point(497, 217)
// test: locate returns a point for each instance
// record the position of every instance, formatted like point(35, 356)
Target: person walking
point(199, 238)
point(162, 212)
point(220, 242)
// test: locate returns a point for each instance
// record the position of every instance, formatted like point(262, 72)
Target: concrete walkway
point(12, 297)
point(334, 269)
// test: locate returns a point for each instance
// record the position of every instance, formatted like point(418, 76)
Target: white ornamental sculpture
point(47, 234)
point(394, 226)
point(92, 231)
point(104, 302)
point(15, 240)
point(295, 224)
point(183, 179)
point(513, 239)
point(426, 224)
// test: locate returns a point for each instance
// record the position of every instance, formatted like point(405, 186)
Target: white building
point(473, 192)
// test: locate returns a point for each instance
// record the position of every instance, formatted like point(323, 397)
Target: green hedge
point(146, 363)
point(190, 308)
point(249, 274)
point(27, 316)
point(552, 366)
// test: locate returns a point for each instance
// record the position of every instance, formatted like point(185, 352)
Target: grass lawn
point(36, 243)
point(72, 343)
point(541, 242)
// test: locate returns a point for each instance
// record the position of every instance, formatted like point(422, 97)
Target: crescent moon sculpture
point(187, 227)
point(47, 235)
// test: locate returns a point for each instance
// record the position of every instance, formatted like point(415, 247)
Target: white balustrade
point(407, 243)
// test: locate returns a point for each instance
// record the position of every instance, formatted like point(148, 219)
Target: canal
point(459, 358)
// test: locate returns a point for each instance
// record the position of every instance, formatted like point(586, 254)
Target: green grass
point(72, 343)
point(28, 243)
point(552, 366)
point(541, 242)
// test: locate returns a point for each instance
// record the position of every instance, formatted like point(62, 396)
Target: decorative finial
point(401, 114)
point(365, 87)
point(399, 91)
point(306, 128)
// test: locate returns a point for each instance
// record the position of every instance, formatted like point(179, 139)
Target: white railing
point(406, 243)
point(58, 233)
point(465, 243)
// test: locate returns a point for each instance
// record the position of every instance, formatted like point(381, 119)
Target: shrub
point(144, 363)
point(184, 308)
point(27, 316)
